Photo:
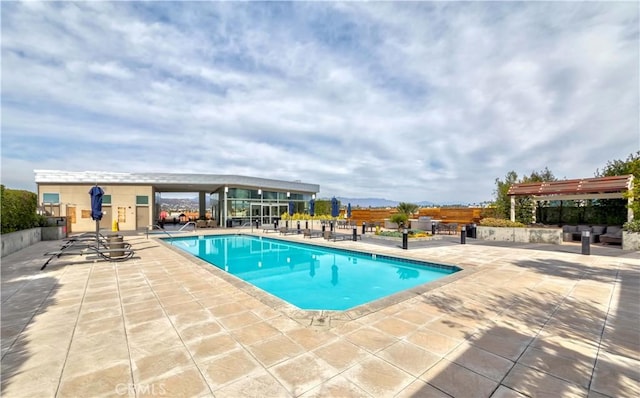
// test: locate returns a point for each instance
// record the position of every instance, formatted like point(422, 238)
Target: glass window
point(268, 195)
point(238, 208)
point(142, 200)
point(106, 199)
point(51, 197)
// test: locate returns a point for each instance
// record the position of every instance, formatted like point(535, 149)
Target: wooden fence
point(460, 215)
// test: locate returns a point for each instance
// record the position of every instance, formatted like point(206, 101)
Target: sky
point(407, 101)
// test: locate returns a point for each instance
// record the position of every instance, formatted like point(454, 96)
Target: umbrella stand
point(97, 234)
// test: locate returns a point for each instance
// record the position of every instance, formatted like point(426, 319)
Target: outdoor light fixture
point(313, 196)
point(288, 194)
point(259, 191)
point(226, 189)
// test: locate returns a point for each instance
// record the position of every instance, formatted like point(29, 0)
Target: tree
point(19, 210)
point(622, 167)
point(503, 201)
point(524, 204)
point(407, 208)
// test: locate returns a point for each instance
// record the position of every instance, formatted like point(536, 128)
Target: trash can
point(471, 231)
point(116, 242)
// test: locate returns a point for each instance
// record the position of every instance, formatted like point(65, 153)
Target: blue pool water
point(308, 276)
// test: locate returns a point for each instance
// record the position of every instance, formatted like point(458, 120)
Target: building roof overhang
point(171, 182)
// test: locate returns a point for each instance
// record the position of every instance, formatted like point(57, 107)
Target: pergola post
point(202, 205)
point(630, 200)
point(513, 208)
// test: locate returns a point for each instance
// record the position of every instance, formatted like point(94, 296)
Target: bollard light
point(463, 236)
point(405, 239)
point(355, 233)
point(364, 226)
point(586, 242)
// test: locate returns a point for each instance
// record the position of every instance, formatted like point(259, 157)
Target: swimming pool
point(311, 277)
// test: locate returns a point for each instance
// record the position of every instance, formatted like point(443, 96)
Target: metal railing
point(187, 224)
point(156, 226)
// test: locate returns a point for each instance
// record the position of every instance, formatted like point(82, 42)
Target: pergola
point(578, 189)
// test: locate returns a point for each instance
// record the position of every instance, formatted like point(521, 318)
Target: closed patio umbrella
point(291, 208)
point(96, 202)
point(335, 210)
point(312, 207)
point(96, 208)
point(349, 210)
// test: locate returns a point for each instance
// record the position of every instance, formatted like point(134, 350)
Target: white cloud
point(412, 101)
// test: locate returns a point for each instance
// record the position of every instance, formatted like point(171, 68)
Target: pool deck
point(519, 321)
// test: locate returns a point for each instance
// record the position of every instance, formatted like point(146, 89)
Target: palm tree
point(405, 211)
point(407, 208)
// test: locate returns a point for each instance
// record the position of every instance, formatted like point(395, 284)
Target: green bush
point(632, 226)
point(396, 234)
point(19, 210)
point(399, 218)
point(499, 222)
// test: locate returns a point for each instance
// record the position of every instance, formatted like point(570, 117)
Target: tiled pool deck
point(517, 322)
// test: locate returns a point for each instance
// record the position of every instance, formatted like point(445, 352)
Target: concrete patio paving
point(518, 322)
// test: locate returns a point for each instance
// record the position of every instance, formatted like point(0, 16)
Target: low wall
point(14, 241)
point(524, 235)
point(54, 233)
point(630, 241)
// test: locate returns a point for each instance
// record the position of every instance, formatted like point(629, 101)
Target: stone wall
point(524, 235)
point(630, 241)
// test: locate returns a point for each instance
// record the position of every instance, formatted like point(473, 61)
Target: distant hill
point(376, 202)
point(355, 202)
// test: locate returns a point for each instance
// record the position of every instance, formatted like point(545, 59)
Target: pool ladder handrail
point(156, 226)
point(187, 224)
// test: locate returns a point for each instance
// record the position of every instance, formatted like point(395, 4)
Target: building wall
point(75, 203)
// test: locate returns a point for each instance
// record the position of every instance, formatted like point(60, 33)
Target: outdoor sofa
point(596, 232)
point(613, 235)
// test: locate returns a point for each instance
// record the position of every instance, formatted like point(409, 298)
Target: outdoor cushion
point(614, 231)
point(598, 229)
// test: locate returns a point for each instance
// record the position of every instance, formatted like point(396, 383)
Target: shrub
point(412, 233)
point(19, 210)
point(500, 222)
point(399, 218)
point(632, 226)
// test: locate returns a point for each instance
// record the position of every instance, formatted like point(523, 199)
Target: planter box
point(390, 225)
point(630, 241)
point(54, 233)
point(523, 235)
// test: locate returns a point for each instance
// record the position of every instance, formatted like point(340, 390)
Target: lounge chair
point(287, 231)
point(328, 235)
point(307, 233)
point(268, 228)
